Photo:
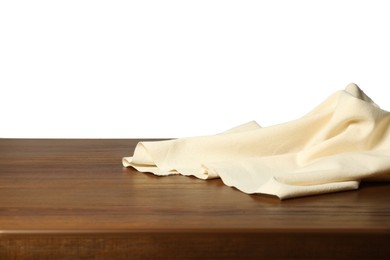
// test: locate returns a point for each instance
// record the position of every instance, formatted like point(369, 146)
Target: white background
point(113, 69)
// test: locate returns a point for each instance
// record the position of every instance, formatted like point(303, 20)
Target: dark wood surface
point(69, 199)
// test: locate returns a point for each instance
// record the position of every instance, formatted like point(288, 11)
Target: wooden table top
point(55, 191)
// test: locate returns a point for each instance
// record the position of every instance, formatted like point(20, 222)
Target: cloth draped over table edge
point(344, 140)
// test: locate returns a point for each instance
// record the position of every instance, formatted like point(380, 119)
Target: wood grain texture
point(73, 199)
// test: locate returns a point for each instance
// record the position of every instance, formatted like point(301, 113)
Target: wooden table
point(71, 199)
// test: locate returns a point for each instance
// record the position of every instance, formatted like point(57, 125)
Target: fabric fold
point(341, 142)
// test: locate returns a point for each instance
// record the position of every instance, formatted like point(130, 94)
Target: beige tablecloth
point(344, 140)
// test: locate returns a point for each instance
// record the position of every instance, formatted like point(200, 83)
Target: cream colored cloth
point(344, 140)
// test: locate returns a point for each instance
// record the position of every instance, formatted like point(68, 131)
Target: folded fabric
point(344, 140)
